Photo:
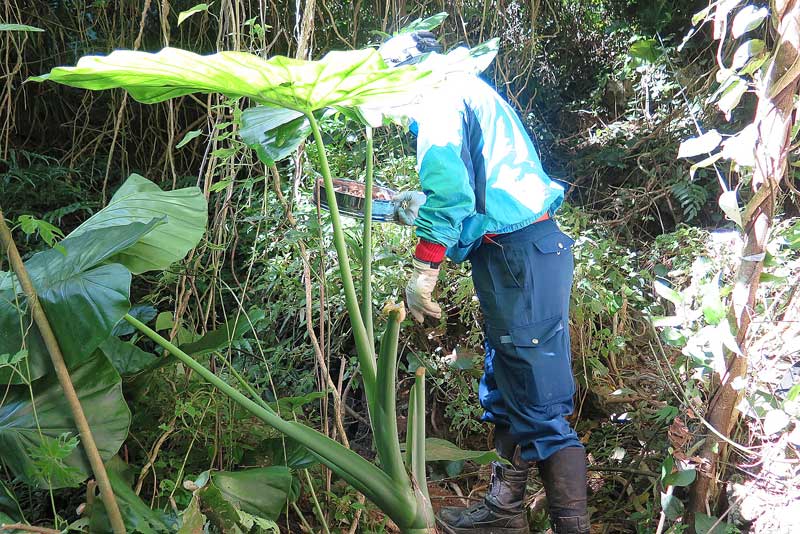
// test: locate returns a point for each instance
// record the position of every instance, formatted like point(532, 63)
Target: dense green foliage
point(608, 88)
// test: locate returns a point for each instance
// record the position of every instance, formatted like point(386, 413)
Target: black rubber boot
point(502, 510)
point(564, 478)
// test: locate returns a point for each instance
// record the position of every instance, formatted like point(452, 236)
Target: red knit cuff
point(430, 252)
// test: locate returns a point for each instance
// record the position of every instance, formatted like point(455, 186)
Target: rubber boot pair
point(502, 510)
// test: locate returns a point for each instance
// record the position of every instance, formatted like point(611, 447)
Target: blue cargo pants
point(523, 281)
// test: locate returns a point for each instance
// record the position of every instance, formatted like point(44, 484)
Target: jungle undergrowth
point(608, 322)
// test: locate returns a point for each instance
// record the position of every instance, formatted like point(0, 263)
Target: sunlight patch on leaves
point(748, 19)
point(704, 144)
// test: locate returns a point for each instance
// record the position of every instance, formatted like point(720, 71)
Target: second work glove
point(406, 206)
point(420, 289)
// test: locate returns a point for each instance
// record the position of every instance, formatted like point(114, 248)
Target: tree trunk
point(774, 121)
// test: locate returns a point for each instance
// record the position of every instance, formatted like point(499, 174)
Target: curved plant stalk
point(405, 500)
point(396, 499)
point(366, 255)
point(366, 353)
point(385, 434)
point(775, 121)
point(417, 442)
point(415, 451)
point(381, 396)
point(409, 427)
point(87, 440)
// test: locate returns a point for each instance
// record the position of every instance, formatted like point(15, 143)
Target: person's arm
point(444, 179)
point(449, 200)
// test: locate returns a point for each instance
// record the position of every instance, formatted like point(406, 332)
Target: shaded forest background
point(607, 88)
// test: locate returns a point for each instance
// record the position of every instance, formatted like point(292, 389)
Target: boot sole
point(447, 529)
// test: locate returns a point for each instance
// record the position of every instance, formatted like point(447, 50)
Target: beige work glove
point(419, 290)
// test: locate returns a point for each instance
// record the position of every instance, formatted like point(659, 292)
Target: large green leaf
point(261, 491)
point(426, 24)
point(136, 514)
point(127, 358)
point(140, 200)
point(288, 452)
point(28, 427)
point(221, 338)
point(340, 78)
point(442, 450)
point(273, 132)
point(9, 504)
point(82, 296)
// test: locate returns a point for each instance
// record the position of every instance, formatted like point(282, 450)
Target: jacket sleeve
point(443, 175)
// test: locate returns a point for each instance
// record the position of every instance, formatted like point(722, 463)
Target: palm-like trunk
point(774, 121)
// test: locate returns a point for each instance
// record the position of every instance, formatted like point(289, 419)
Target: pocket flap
point(554, 243)
point(536, 334)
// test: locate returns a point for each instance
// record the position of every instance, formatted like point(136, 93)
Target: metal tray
point(352, 203)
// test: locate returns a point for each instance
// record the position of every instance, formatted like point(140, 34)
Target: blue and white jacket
point(477, 166)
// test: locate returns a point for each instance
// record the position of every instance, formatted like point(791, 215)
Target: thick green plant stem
point(60, 367)
point(417, 442)
point(366, 353)
point(410, 426)
point(385, 433)
point(395, 499)
point(366, 253)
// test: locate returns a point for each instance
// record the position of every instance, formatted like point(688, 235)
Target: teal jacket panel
point(477, 166)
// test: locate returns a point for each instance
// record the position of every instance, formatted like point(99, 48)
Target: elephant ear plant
point(83, 289)
point(291, 96)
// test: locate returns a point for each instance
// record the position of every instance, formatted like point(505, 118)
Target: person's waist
point(489, 238)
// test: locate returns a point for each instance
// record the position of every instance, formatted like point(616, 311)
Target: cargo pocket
point(556, 243)
point(553, 266)
point(544, 348)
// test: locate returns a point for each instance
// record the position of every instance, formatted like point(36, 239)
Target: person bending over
point(486, 199)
